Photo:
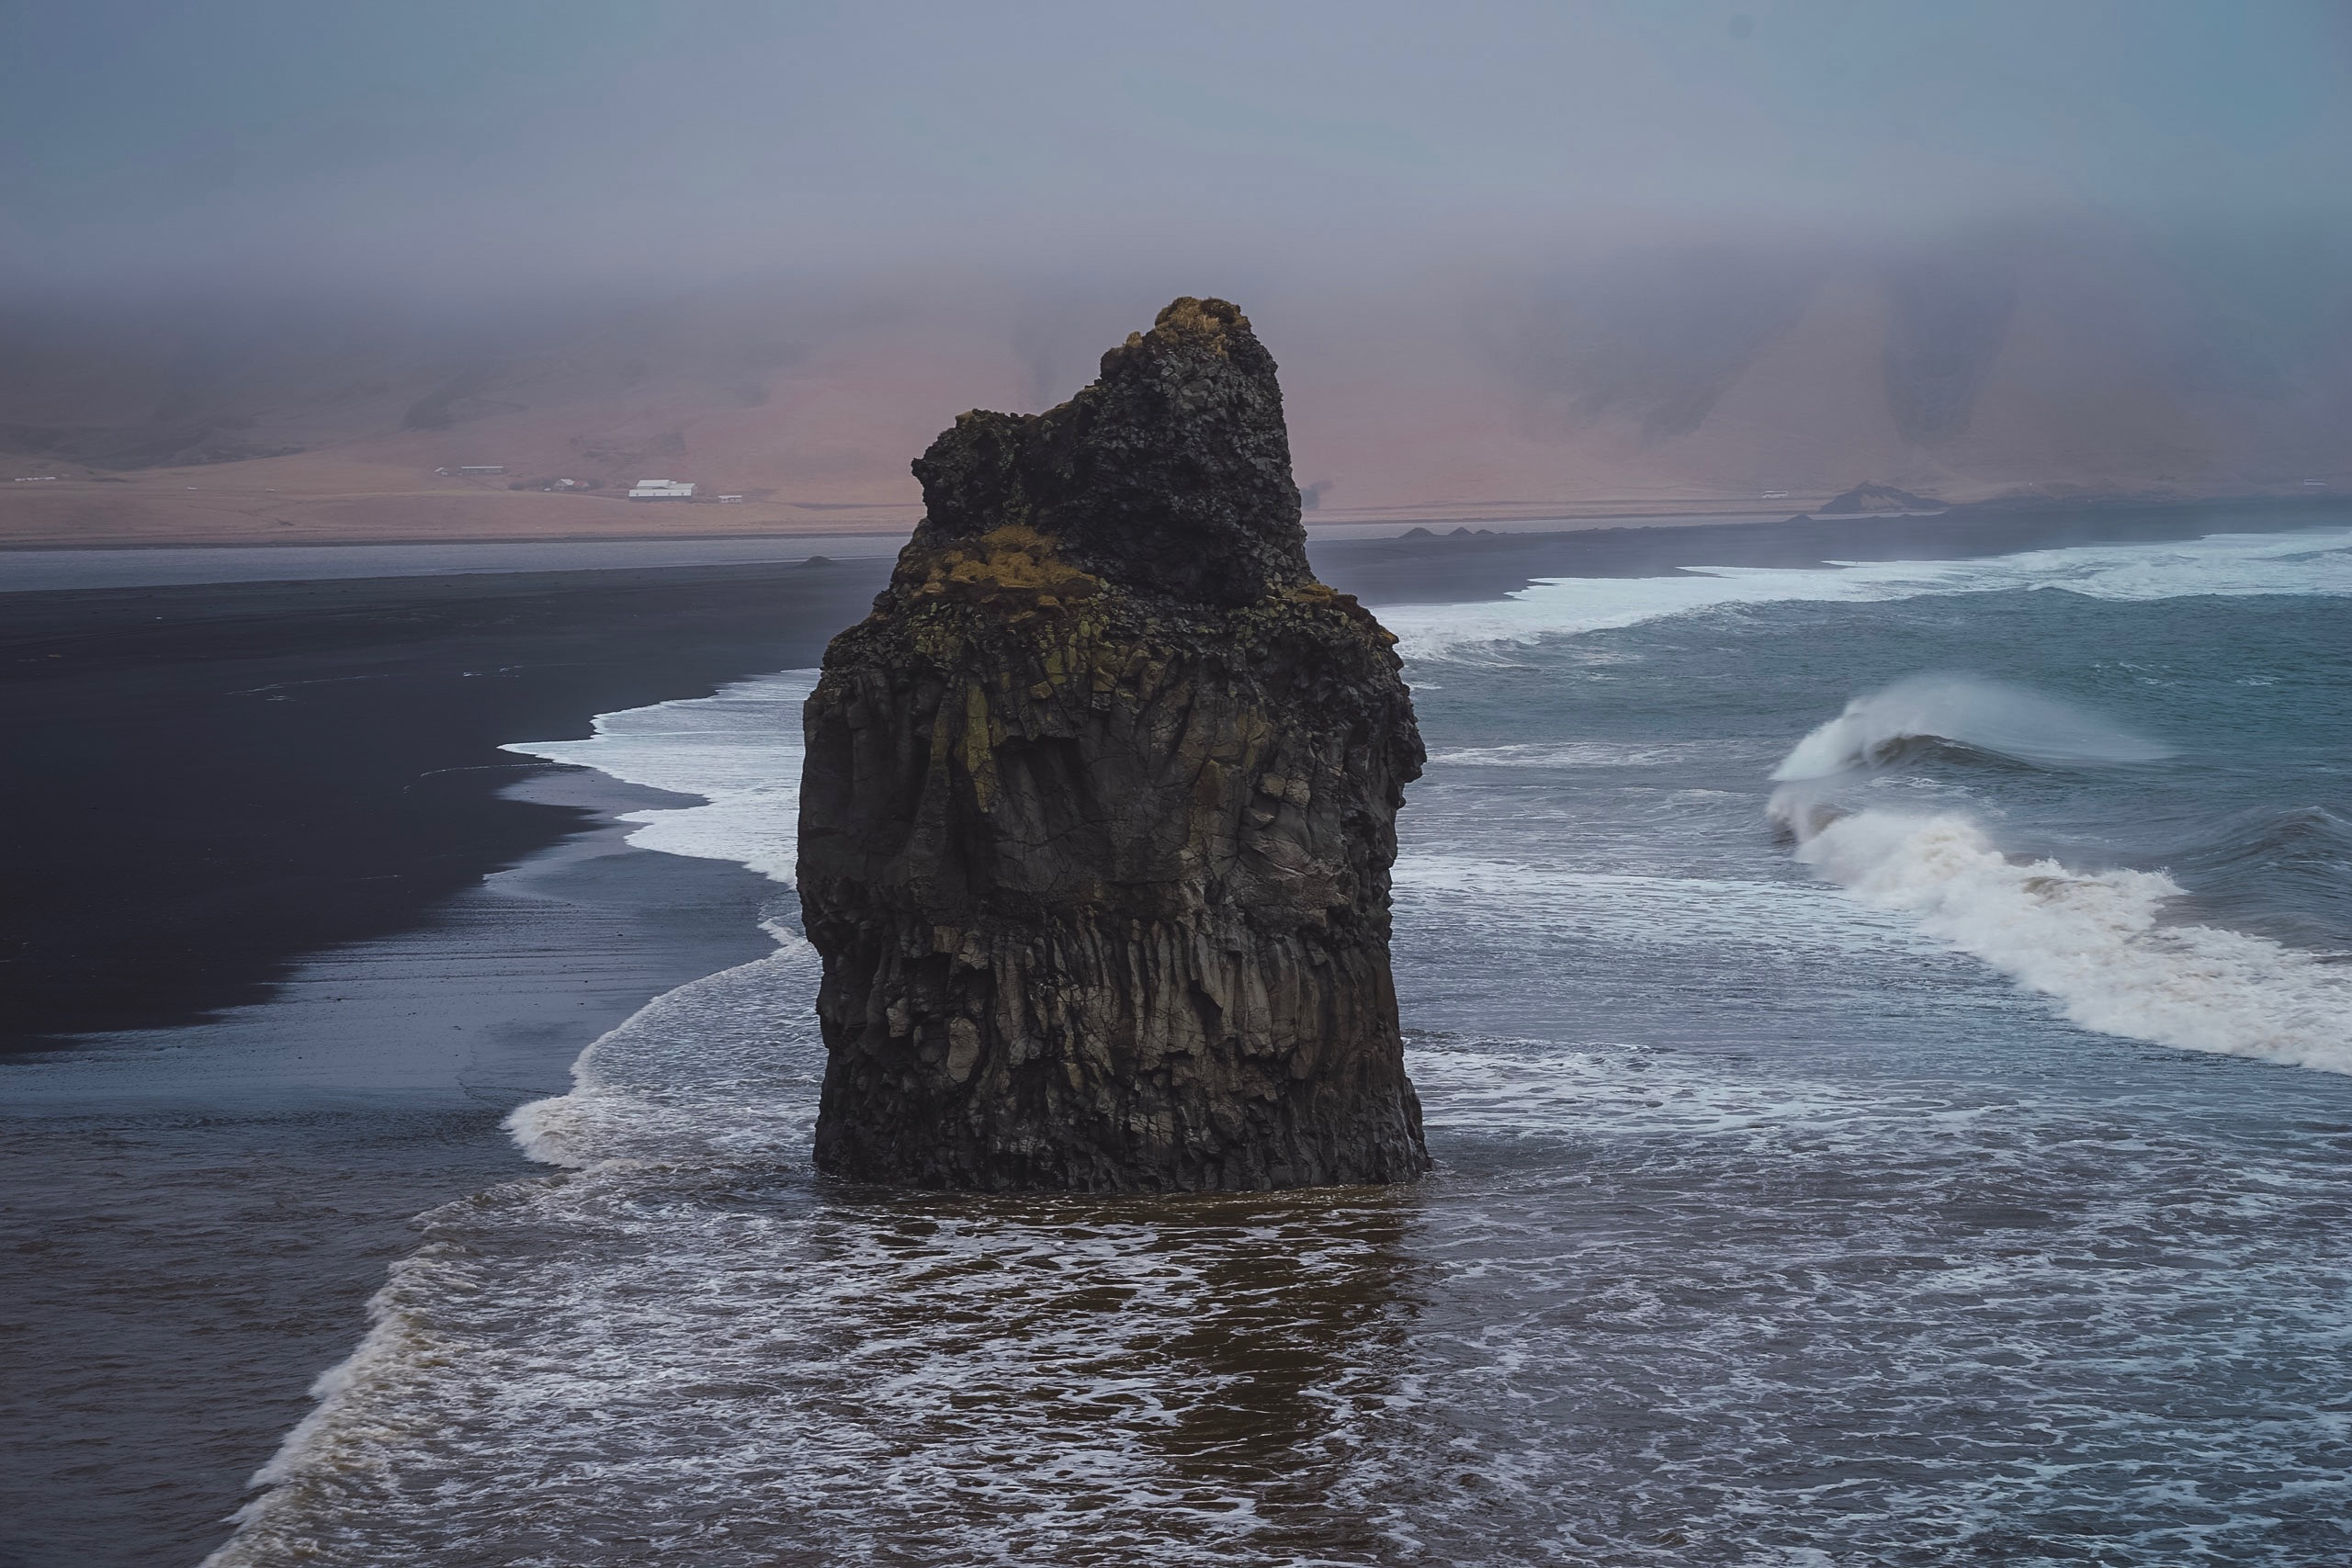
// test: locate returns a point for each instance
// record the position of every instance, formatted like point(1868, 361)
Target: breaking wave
point(1982, 715)
point(2098, 942)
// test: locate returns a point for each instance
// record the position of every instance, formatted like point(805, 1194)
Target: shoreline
point(206, 1210)
point(1502, 516)
point(1444, 568)
point(228, 776)
point(1552, 547)
point(405, 932)
point(306, 935)
point(426, 542)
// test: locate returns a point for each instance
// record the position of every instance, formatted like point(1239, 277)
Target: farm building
point(662, 490)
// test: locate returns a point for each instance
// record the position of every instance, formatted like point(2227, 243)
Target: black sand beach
point(206, 781)
point(288, 936)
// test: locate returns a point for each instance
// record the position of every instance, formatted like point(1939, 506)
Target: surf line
point(2096, 942)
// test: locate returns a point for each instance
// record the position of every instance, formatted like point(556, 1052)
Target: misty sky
point(501, 145)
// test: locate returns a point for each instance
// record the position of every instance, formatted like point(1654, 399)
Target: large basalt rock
point(1100, 807)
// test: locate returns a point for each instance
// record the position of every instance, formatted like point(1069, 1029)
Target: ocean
point(1885, 1034)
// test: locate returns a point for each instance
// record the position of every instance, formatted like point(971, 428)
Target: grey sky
point(482, 149)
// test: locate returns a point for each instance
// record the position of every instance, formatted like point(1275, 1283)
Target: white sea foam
point(2098, 943)
point(628, 1103)
point(717, 1076)
point(739, 748)
point(751, 1092)
point(1985, 715)
point(2317, 562)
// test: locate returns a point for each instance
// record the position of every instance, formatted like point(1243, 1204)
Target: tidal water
point(1886, 1039)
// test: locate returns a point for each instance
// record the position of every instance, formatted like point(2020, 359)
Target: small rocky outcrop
point(1876, 500)
point(1100, 806)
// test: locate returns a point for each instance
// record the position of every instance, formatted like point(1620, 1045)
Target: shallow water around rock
point(1779, 1218)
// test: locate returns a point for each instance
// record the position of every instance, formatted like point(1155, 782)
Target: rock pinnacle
point(1100, 806)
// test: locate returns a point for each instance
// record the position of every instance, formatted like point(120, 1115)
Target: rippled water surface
point(1951, 1165)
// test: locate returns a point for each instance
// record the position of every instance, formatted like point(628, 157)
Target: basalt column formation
point(1100, 807)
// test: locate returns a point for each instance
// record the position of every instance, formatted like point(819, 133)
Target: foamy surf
point(2096, 942)
point(739, 748)
point(1984, 716)
point(2317, 562)
point(629, 1104)
point(357, 1428)
point(1571, 754)
point(751, 1094)
point(712, 1082)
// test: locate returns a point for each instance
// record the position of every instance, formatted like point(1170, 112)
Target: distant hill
point(1691, 380)
point(1867, 500)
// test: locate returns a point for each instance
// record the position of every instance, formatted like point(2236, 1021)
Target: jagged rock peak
point(1169, 476)
point(1100, 806)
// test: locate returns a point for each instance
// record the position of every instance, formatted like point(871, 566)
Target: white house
point(662, 490)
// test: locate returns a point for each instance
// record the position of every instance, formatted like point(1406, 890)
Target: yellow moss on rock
point(1013, 558)
point(1207, 319)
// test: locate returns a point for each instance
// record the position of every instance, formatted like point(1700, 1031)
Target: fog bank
point(1519, 255)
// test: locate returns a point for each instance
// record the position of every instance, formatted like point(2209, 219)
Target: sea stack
point(1100, 806)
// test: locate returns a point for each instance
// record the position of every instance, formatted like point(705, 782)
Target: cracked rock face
point(1099, 806)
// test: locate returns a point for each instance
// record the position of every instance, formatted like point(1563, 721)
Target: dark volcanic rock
point(1866, 499)
point(1100, 807)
